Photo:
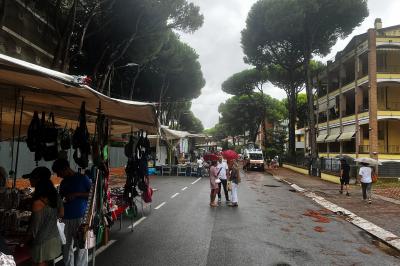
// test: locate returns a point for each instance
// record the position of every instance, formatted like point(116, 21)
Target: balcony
point(394, 69)
point(393, 106)
point(362, 109)
point(389, 149)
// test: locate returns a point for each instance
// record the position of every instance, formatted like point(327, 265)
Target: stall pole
point(13, 134)
point(1, 121)
point(19, 140)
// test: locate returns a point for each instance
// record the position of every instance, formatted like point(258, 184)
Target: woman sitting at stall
point(46, 209)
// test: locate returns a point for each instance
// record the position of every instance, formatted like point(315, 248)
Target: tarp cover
point(51, 91)
point(321, 138)
point(347, 136)
point(332, 138)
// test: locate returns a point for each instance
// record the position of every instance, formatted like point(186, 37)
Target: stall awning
point(321, 138)
point(332, 138)
point(347, 136)
point(51, 91)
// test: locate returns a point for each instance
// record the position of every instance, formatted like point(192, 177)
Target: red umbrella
point(230, 155)
point(210, 157)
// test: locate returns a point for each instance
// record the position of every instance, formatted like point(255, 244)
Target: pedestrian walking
point(365, 175)
point(213, 184)
point(344, 176)
point(222, 175)
point(200, 163)
point(74, 189)
point(234, 177)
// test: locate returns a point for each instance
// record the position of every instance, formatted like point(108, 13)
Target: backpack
point(65, 138)
point(81, 140)
point(34, 133)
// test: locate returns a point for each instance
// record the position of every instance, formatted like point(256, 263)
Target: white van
point(254, 159)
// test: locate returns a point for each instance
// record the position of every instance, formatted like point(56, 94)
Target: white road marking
point(198, 179)
point(173, 196)
point(159, 206)
point(98, 251)
point(184, 188)
point(137, 223)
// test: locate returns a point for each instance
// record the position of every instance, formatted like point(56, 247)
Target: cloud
point(221, 55)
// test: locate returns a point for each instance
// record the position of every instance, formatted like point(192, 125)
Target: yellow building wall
point(330, 178)
point(296, 169)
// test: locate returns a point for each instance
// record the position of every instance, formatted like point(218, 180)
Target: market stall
point(65, 105)
point(175, 151)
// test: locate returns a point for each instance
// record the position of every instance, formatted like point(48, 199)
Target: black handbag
point(34, 133)
point(49, 149)
point(81, 140)
point(65, 138)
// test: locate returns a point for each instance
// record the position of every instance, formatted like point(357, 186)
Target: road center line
point(159, 206)
point(198, 179)
point(137, 223)
point(173, 196)
point(184, 188)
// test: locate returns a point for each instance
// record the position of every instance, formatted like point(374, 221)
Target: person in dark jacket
point(344, 176)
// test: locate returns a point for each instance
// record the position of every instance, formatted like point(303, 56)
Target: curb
point(383, 235)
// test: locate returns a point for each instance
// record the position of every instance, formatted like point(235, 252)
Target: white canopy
point(51, 91)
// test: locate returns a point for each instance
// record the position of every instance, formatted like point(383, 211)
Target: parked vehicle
point(253, 159)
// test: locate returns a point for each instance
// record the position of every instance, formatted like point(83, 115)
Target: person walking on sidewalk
point(74, 189)
point(344, 176)
point(213, 184)
point(234, 177)
point(365, 175)
point(222, 175)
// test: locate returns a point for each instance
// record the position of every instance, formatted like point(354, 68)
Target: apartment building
point(26, 31)
point(358, 106)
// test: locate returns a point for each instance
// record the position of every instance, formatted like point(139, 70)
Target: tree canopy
point(242, 113)
point(288, 33)
point(245, 82)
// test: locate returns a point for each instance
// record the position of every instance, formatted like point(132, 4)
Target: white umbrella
point(368, 161)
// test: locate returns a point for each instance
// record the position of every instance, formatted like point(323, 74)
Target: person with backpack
point(365, 175)
point(74, 189)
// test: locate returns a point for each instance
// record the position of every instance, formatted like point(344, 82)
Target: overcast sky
point(218, 45)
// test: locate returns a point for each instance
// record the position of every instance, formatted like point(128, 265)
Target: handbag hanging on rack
point(49, 143)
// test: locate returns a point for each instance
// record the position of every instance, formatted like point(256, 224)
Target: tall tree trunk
point(292, 97)
point(310, 104)
point(132, 89)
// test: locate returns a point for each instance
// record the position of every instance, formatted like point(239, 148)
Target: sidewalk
point(381, 212)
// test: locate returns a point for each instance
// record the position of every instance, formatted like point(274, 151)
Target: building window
point(365, 132)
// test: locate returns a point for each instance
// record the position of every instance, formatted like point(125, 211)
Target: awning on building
point(332, 138)
point(321, 138)
point(347, 136)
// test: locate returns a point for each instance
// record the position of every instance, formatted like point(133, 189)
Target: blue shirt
point(75, 208)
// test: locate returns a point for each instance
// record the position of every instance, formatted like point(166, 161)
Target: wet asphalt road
point(268, 228)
